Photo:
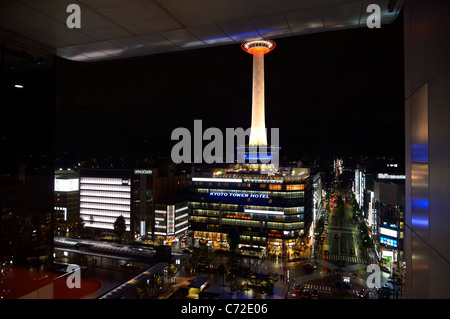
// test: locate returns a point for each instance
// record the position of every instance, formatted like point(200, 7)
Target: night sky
point(334, 93)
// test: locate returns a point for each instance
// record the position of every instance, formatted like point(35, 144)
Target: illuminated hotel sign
point(270, 212)
point(388, 232)
point(240, 195)
point(218, 180)
point(66, 185)
point(389, 176)
point(143, 171)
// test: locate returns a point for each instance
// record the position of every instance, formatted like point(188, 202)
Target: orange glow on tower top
point(263, 46)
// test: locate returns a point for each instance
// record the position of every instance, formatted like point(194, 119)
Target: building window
point(296, 187)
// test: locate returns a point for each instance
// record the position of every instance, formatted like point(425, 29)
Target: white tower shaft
point(258, 135)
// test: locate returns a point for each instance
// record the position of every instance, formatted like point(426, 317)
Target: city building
point(359, 186)
point(271, 213)
point(105, 194)
point(67, 196)
point(389, 214)
point(159, 204)
point(380, 189)
point(171, 222)
point(139, 195)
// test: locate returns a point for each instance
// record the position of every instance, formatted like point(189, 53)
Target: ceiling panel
point(129, 43)
point(136, 15)
point(156, 41)
point(305, 21)
point(210, 34)
point(52, 9)
point(240, 30)
point(120, 28)
point(344, 15)
point(99, 28)
point(271, 26)
point(182, 37)
point(202, 12)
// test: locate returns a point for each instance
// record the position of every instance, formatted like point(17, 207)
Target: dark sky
point(334, 93)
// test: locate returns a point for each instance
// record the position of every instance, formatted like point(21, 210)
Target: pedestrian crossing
point(328, 289)
point(351, 259)
point(320, 288)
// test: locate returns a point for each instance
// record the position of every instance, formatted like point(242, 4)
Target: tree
point(189, 268)
point(120, 226)
point(222, 270)
point(139, 293)
point(79, 225)
point(155, 283)
point(233, 238)
point(318, 231)
point(172, 271)
point(235, 285)
point(270, 284)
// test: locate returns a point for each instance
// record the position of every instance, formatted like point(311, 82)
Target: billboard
point(67, 185)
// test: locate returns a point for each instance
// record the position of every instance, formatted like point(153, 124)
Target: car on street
point(309, 266)
point(326, 252)
point(306, 294)
point(363, 293)
point(336, 236)
point(385, 269)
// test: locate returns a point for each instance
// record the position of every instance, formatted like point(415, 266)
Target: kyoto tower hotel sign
point(258, 48)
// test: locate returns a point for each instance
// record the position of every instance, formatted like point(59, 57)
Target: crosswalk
point(320, 288)
point(329, 289)
point(351, 259)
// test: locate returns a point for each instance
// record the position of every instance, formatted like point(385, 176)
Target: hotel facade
point(271, 212)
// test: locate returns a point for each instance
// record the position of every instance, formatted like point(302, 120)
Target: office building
point(388, 207)
point(105, 194)
point(270, 212)
point(67, 196)
point(159, 204)
point(139, 195)
point(171, 222)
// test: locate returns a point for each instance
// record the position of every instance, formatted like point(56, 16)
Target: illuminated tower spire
point(258, 48)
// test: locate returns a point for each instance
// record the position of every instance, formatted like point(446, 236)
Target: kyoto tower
point(258, 48)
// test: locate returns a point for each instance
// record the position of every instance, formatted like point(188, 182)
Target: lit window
point(297, 187)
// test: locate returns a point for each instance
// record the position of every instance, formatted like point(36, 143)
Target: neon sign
point(273, 235)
